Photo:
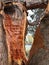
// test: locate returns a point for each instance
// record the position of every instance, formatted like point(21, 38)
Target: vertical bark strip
point(15, 33)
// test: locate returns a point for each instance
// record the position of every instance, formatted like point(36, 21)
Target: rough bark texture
point(3, 50)
point(30, 4)
point(40, 49)
point(27, 1)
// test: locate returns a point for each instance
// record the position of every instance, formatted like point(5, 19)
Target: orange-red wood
point(15, 33)
point(15, 39)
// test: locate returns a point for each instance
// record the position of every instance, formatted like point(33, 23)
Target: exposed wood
point(15, 27)
point(14, 50)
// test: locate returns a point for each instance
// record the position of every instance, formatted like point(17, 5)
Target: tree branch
point(36, 5)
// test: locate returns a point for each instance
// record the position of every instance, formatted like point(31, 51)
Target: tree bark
point(39, 54)
point(3, 50)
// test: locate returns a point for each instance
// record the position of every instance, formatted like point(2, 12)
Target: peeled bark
point(15, 33)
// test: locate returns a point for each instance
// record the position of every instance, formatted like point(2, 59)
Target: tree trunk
point(3, 50)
